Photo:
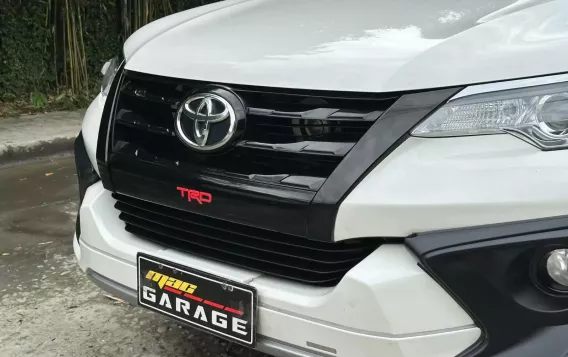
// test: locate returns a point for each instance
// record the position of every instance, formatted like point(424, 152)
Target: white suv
point(338, 178)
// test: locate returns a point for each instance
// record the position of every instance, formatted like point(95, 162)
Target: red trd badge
point(194, 195)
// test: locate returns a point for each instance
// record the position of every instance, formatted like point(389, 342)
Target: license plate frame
point(224, 301)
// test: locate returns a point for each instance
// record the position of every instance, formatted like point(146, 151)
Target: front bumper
point(498, 275)
point(385, 306)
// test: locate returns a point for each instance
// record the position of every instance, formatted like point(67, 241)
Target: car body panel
point(360, 45)
point(430, 184)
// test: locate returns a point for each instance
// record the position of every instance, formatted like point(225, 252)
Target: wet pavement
point(48, 307)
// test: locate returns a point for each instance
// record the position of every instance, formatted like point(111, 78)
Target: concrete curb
point(38, 135)
point(42, 148)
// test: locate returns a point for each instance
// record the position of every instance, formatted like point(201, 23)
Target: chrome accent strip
point(513, 84)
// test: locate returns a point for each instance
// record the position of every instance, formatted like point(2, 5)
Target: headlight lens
point(109, 72)
point(538, 114)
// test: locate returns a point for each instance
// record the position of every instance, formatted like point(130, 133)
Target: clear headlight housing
point(537, 113)
point(109, 70)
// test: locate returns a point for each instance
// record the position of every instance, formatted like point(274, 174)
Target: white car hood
point(356, 45)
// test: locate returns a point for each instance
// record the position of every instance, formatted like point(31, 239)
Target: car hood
point(356, 45)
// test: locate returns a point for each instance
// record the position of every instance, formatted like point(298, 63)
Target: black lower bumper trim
point(86, 175)
point(493, 272)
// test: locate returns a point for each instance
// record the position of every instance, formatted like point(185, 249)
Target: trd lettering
point(199, 196)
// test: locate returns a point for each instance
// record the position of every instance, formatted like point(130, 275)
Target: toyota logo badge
point(209, 121)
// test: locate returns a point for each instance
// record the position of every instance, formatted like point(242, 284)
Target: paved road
point(48, 308)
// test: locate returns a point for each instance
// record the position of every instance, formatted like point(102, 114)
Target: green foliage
point(38, 99)
point(23, 47)
point(58, 47)
point(7, 97)
point(67, 100)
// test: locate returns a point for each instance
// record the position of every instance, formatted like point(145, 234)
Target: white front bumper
point(385, 306)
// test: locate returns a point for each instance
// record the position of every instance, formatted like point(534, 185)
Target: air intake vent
point(265, 251)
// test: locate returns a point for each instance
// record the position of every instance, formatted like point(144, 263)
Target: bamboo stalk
point(83, 54)
point(75, 48)
point(53, 7)
point(134, 15)
point(125, 20)
point(65, 30)
point(72, 51)
point(69, 47)
point(146, 14)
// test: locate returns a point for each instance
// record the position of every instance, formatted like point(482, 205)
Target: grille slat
point(124, 202)
point(239, 250)
point(283, 272)
point(326, 114)
point(304, 147)
point(145, 127)
point(268, 252)
point(312, 126)
point(138, 217)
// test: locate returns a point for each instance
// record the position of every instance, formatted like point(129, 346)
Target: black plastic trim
point(387, 133)
point(86, 175)
point(494, 273)
point(277, 207)
point(104, 140)
point(78, 225)
point(238, 88)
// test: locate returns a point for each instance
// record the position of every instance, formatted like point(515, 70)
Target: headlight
point(109, 72)
point(537, 112)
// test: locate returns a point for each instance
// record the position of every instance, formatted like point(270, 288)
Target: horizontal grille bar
point(257, 249)
point(329, 279)
point(327, 114)
point(303, 147)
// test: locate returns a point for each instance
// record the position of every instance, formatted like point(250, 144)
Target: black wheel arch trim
point(492, 272)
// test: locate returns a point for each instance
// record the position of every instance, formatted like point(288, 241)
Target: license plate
point(216, 305)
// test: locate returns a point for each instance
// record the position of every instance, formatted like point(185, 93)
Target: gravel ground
point(48, 307)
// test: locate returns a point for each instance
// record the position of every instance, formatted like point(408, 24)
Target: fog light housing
point(557, 268)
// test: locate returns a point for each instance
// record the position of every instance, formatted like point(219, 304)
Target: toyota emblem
point(209, 121)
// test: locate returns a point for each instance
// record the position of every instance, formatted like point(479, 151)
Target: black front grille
point(262, 185)
point(261, 250)
point(289, 133)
